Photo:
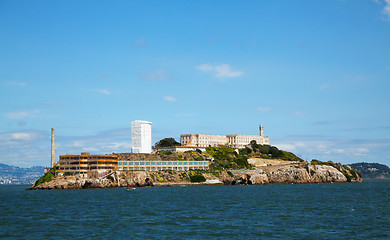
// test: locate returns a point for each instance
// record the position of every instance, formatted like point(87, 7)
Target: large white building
point(235, 140)
point(141, 137)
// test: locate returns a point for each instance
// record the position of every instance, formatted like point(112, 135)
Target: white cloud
point(224, 70)
point(287, 147)
point(159, 75)
point(205, 67)
point(170, 99)
point(25, 136)
point(344, 151)
point(386, 10)
point(263, 109)
point(104, 91)
point(18, 84)
point(23, 114)
point(219, 71)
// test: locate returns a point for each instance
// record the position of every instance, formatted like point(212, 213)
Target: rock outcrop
point(283, 174)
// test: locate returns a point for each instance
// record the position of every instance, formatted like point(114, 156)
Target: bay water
point(303, 211)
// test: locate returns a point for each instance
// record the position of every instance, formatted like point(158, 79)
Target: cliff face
point(294, 173)
point(288, 174)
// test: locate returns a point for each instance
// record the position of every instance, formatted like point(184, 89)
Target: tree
point(167, 142)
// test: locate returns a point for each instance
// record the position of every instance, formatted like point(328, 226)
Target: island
point(254, 164)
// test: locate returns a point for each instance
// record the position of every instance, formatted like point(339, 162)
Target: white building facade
point(234, 141)
point(141, 137)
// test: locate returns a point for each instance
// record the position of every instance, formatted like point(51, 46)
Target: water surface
point(305, 211)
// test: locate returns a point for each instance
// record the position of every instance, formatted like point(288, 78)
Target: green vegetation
point(47, 177)
point(230, 174)
point(267, 151)
point(184, 176)
point(227, 158)
point(167, 142)
point(165, 153)
point(197, 177)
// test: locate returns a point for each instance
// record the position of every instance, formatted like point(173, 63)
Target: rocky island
point(256, 164)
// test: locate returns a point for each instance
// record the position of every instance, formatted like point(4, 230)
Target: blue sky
point(314, 73)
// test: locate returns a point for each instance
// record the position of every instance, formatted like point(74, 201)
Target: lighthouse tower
point(261, 130)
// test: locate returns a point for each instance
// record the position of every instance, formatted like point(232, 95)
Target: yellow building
point(87, 165)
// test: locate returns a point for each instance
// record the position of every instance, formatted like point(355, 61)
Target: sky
point(315, 74)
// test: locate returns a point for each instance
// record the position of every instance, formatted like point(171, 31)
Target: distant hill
point(16, 175)
point(372, 170)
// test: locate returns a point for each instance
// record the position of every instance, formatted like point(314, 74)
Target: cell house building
point(141, 137)
point(233, 140)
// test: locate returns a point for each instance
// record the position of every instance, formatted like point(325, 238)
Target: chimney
point(53, 155)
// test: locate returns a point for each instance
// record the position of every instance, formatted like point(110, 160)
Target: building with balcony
point(87, 165)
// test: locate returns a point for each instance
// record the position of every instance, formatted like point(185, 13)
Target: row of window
point(161, 168)
point(189, 163)
point(87, 162)
point(87, 168)
point(88, 158)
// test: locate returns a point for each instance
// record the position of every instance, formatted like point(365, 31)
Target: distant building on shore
point(141, 137)
point(234, 140)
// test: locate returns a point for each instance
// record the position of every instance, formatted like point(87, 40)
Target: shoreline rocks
point(296, 173)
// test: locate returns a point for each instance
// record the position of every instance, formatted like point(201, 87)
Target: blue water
point(306, 211)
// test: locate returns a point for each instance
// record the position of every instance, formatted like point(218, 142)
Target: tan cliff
point(273, 174)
